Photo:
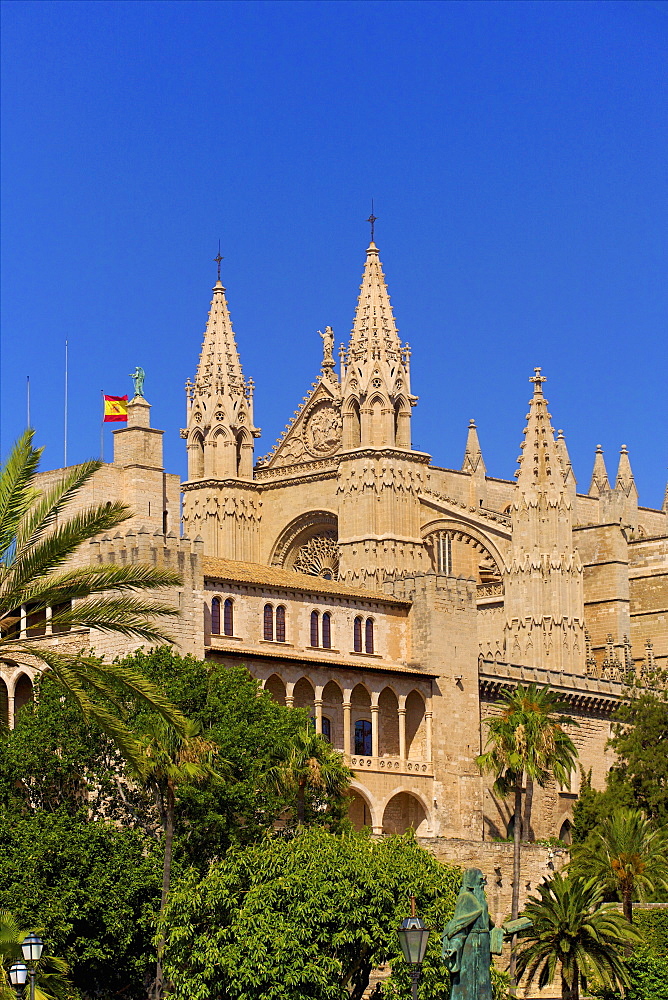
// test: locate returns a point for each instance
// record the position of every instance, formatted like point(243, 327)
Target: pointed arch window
point(357, 635)
point(268, 623)
point(280, 623)
point(368, 636)
point(215, 616)
point(327, 630)
point(228, 616)
point(315, 628)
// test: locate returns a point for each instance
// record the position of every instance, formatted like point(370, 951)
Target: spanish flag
point(115, 409)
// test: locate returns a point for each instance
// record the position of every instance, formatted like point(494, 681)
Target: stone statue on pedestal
point(470, 940)
point(138, 377)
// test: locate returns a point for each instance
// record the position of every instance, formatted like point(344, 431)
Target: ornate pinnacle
point(538, 380)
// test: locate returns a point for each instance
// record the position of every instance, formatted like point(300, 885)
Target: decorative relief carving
point(319, 556)
point(322, 429)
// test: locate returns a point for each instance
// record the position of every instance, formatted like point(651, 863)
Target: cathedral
point(393, 599)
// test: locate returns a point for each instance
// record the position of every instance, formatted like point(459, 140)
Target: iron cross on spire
point(218, 260)
point(372, 220)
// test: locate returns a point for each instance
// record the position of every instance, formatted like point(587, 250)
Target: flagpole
point(28, 399)
point(65, 415)
point(102, 429)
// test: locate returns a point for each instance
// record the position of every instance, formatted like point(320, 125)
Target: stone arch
point(196, 455)
point(223, 455)
point(23, 693)
point(244, 445)
point(406, 810)
point(276, 688)
point(352, 425)
point(566, 832)
point(309, 544)
point(303, 694)
point(375, 409)
point(361, 812)
point(332, 709)
point(468, 552)
point(416, 728)
point(388, 722)
point(360, 717)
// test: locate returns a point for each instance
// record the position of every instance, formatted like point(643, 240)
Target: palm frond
point(17, 494)
point(49, 505)
point(78, 583)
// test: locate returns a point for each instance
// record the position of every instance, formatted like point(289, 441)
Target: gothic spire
point(624, 481)
point(540, 463)
point(565, 459)
point(599, 477)
point(219, 369)
point(473, 460)
point(374, 333)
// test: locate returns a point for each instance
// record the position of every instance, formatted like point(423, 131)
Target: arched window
point(327, 728)
point(357, 635)
point(368, 636)
point(228, 616)
point(280, 623)
point(363, 737)
point(315, 628)
point(269, 622)
point(215, 616)
point(327, 630)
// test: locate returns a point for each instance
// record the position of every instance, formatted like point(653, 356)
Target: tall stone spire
point(624, 481)
point(544, 601)
point(220, 428)
point(600, 483)
point(626, 491)
point(566, 465)
point(473, 459)
point(376, 369)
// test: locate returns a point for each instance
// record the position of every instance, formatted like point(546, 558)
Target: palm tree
point(51, 972)
point(312, 765)
point(37, 543)
point(527, 744)
point(626, 854)
point(574, 928)
point(170, 759)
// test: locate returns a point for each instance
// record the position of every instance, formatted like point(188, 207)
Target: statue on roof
point(138, 377)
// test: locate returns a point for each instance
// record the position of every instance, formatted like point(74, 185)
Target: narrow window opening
point(215, 616)
point(268, 622)
point(357, 635)
point(327, 728)
point(164, 522)
point(228, 616)
point(327, 630)
point(314, 628)
point(368, 636)
point(280, 623)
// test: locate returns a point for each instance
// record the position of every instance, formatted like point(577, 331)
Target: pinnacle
point(625, 480)
point(540, 462)
point(374, 331)
point(219, 369)
point(599, 478)
point(473, 459)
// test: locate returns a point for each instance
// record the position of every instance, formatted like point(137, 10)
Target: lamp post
point(413, 938)
point(18, 974)
point(32, 949)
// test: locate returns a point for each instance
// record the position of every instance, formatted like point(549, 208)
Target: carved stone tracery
point(319, 556)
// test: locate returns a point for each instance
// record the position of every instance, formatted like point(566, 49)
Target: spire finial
point(218, 260)
point(538, 380)
point(372, 221)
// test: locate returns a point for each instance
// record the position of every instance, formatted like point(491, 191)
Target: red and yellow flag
point(115, 408)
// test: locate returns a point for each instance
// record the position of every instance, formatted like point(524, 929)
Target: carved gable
point(313, 433)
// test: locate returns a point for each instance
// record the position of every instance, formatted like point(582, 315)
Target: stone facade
point(393, 599)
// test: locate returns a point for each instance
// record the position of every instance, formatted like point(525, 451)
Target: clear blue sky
point(518, 158)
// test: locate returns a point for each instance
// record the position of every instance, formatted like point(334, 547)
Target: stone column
point(427, 719)
point(402, 733)
point(289, 694)
point(346, 727)
point(48, 614)
point(24, 622)
point(318, 715)
point(374, 730)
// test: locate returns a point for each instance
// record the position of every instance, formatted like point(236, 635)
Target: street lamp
point(413, 938)
point(32, 949)
point(18, 974)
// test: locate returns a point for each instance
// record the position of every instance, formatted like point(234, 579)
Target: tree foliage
point(310, 915)
point(37, 542)
point(640, 740)
point(576, 934)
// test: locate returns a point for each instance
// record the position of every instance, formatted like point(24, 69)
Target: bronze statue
point(470, 939)
point(138, 377)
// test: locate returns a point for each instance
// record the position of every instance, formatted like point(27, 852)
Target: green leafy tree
point(312, 770)
point(37, 542)
point(307, 916)
point(640, 740)
point(526, 743)
point(574, 933)
point(627, 855)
